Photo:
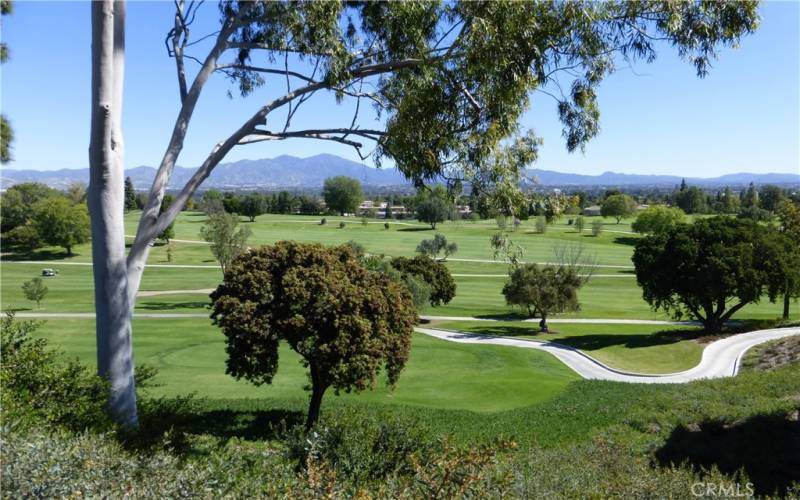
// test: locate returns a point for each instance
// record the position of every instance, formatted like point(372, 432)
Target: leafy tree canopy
point(342, 194)
point(432, 272)
point(433, 210)
point(707, 270)
point(227, 242)
point(61, 223)
point(543, 290)
point(453, 78)
point(658, 219)
point(345, 322)
point(618, 206)
point(438, 244)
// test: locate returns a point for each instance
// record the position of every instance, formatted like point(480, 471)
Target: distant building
point(592, 211)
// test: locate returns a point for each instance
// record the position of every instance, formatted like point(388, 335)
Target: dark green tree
point(543, 290)
point(789, 217)
point(432, 272)
point(130, 195)
point(284, 203)
point(707, 270)
point(691, 200)
point(16, 204)
point(232, 203)
point(750, 197)
point(211, 202)
point(23, 238)
point(342, 194)
point(253, 205)
point(345, 322)
point(618, 206)
point(169, 232)
point(432, 210)
point(61, 223)
point(771, 197)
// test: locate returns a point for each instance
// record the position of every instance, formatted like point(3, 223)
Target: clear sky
point(656, 118)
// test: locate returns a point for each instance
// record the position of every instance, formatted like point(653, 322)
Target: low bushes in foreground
point(597, 439)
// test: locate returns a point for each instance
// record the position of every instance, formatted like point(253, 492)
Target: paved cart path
point(720, 358)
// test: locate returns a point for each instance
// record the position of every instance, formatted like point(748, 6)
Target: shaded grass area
point(636, 348)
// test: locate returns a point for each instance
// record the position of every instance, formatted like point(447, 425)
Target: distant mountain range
point(289, 172)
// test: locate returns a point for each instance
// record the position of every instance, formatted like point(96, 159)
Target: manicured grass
point(635, 348)
point(190, 357)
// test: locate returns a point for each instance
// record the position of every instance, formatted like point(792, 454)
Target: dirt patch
point(772, 355)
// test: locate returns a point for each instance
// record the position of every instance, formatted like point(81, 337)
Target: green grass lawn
point(190, 354)
point(190, 357)
point(634, 348)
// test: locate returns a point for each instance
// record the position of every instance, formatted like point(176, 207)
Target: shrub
point(361, 447)
point(35, 290)
point(386, 225)
point(38, 388)
point(23, 238)
point(364, 221)
point(432, 272)
point(658, 219)
point(579, 223)
point(474, 217)
point(541, 224)
point(437, 244)
point(323, 221)
point(597, 227)
point(342, 225)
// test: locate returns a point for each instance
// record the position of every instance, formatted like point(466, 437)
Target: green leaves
point(345, 322)
point(706, 270)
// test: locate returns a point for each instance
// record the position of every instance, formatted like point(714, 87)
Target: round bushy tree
point(344, 321)
point(342, 194)
point(432, 272)
point(432, 210)
point(707, 270)
point(658, 219)
point(544, 290)
point(60, 223)
point(618, 206)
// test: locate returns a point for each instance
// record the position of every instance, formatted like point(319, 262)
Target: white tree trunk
point(107, 206)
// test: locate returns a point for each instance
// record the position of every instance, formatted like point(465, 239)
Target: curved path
point(720, 359)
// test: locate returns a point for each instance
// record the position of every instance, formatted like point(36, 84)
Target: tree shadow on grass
point(39, 255)
point(626, 240)
point(168, 306)
point(766, 447)
point(591, 342)
point(505, 317)
point(174, 420)
point(414, 229)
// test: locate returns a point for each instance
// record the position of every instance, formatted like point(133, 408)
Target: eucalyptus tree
point(6, 132)
point(448, 82)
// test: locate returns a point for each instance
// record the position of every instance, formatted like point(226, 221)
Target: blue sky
point(656, 118)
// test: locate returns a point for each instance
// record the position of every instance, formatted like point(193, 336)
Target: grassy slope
point(636, 348)
point(190, 357)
